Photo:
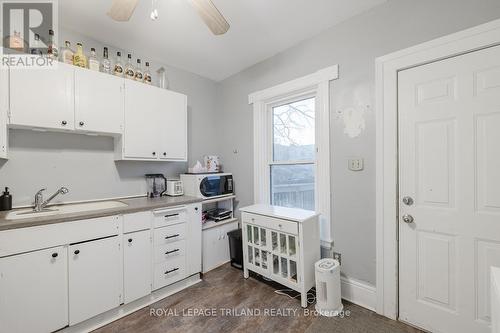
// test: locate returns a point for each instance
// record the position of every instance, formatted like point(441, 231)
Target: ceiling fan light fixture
point(154, 10)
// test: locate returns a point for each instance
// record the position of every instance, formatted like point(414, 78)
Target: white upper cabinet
point(42, 98)
point(99, 102)
point(173, 138)
point(155, 124)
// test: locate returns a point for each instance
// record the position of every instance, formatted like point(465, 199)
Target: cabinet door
point(42, 98)
point(94, 278)
point(173, 139)
point(142, 126)
point(137, 267)
point(4, 108)
point(99, 102)
point(34, 291)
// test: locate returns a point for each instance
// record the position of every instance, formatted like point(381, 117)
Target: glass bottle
point(79, 59)
point(147, 74)
point(129, 68)
point(36, 46)
point(67, 53)
point(106, 64)
point(162, 78)
point(53, 52)
point(94, 64)
point(118, 69)
point(138, 71)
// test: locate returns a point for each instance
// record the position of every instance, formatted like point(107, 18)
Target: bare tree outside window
point(292, 169)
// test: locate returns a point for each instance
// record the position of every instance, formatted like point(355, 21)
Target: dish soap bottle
point(6, 200)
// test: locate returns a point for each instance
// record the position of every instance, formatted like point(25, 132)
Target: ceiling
point(259, 30)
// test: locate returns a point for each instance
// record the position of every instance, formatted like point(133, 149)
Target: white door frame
point(387, 68)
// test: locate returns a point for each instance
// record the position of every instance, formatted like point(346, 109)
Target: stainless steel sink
point(65, 209)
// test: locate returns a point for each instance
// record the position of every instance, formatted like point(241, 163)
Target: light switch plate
point(356, 164)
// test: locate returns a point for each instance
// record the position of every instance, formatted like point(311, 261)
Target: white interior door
point(449, 155)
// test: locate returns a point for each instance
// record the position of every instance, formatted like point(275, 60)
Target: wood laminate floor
point(225, 302)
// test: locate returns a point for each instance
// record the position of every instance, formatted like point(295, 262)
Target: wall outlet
point(356, 164)
point(337, 256)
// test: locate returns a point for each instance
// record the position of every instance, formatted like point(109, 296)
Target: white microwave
point(208, 186)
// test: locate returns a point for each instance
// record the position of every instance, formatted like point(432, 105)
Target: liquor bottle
point(79, 59)
point(67, 53)
point(118, 69)
point(36, 46)
point(147, 74)
point(53, 52)
point(106, 64)
point(129, 68)
point(138, 71)
point(94, 64)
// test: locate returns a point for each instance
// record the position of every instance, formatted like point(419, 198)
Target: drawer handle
point(171, 271)
point(173, 251)
point(173, 236)
point(171, 215)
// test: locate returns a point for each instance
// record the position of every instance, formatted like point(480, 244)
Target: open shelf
point(212, 224)
point(227, 197)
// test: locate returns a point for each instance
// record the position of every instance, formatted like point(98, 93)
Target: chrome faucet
point(40, 204)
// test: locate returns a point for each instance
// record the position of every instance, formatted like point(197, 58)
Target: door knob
point(408, 201)
point(408, 218)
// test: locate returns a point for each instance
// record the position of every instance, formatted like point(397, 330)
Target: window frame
point(317, 85)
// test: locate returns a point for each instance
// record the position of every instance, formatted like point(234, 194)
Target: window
point(292, 167)
point(291, 133)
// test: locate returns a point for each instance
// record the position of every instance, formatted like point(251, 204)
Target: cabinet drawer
point(169, 272)
point(169, 251)
point(136, 222)
point(271, 223)
point(170, 216)
point(167, 235)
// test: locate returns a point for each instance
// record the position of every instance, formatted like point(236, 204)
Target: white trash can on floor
point(328, 298)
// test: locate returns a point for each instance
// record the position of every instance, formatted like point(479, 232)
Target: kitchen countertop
point(134, 205)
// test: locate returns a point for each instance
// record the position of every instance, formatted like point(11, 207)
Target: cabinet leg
point(245, 273)
point(303, 299)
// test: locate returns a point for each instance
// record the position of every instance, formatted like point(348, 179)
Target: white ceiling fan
point(122, 10)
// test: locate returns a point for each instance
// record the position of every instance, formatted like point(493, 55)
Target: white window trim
point(318, 85)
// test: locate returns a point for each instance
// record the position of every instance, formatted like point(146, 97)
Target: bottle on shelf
point(52, 52)
point(147, 74)
point(67, 53)
point(118, 69)
point(79, 59)
point(106, 63)
point(36, 46)
point(129, 68)
point(94, 63)
point(138, 71)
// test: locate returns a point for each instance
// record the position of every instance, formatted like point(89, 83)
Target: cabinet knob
point(164, 154)
point(64, 123)
point(77, 252)
point(130, 240)
point(54, 255)
point(154, 153)
point(196, 208)
point(81, 123)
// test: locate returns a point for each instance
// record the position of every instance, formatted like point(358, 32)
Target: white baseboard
point(358, 292)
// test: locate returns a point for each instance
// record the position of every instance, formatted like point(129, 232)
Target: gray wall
point(354, 45)
point(86, 164)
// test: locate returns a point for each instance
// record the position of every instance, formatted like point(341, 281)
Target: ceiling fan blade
point(211, 16)
point(122, 10)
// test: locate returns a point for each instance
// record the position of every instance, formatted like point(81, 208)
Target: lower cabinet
point(34, 291)
point(216, 245)
point(137, 265)
point(94, 275)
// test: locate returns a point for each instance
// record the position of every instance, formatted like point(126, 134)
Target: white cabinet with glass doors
point(281, 244)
